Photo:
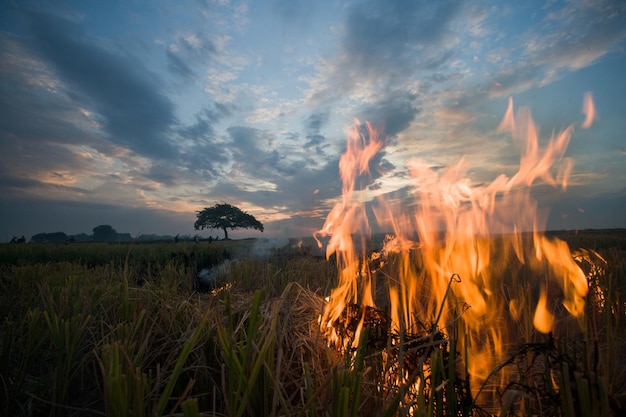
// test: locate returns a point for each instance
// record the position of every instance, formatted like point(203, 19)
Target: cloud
point(177, 65)
point(382, 35)
point(41, 129)
point(188, 51)
point(206, 119)
point(133, 110)
point(296, 11)
point(245, 140)
point(395, 111)
point(255, 158)
point(293, 196)
point(577, 34)
point(203, 152)
point(20, 186)
point(34, 104)
point(313, 126)
point(382, 42)
point(572, 36)
point(275, 179)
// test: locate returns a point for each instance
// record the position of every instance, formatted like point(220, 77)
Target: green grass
point(117, 330)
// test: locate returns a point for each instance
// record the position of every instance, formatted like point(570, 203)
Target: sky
point(136, 114)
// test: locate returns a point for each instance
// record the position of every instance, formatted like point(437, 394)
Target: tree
point(225, 216)
point(55, 237)
point(104, 233)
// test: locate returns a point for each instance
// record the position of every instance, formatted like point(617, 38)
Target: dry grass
point(88, 336)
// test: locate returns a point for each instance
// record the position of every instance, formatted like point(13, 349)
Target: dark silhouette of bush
point(56, 237)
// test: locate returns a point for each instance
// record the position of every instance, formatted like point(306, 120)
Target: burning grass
point(468, 261)
point(110, 340)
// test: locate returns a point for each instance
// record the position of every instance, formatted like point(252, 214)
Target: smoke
point(267, 247)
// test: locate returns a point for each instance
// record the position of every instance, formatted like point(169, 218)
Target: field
point(122, 330)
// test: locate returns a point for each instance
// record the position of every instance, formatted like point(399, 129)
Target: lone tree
point(225, 216)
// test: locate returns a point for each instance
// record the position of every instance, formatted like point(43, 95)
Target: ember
point(355, 316)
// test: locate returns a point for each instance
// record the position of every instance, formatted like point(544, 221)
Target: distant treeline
point(103, 233)
point(60, 237)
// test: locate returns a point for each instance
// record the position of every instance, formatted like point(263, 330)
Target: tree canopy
point(225, 216)
point(104, 233)
point(55, 237)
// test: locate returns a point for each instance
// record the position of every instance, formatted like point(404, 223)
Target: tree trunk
point(225, 234)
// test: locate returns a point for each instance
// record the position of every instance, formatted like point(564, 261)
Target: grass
point(118, 330)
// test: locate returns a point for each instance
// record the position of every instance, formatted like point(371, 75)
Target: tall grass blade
point(180, 362)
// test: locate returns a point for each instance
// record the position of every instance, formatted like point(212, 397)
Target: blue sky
point(137, 113)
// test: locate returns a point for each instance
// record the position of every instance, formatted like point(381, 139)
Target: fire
point(589, 111)
point(346, 218)
point(465, 256)
point(543, 317)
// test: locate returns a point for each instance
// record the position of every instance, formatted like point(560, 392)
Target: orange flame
point(543, 319)
point(348, 217)
point(487, 235)
point(589, 111)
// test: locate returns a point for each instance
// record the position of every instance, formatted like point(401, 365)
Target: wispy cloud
point(134, 112)
point(188, 51)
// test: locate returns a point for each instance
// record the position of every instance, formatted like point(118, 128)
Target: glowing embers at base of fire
point(489, 235)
